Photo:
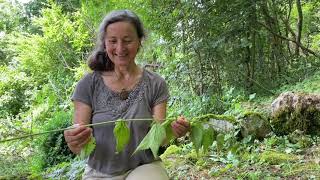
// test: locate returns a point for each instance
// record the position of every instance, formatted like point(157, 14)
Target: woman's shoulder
point(90, 76)
point(153, 76)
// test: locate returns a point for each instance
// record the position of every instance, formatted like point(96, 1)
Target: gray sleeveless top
point(107, 106)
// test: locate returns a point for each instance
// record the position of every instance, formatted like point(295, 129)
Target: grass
point(255, 160)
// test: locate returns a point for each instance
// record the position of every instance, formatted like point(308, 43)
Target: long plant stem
point(71, 127)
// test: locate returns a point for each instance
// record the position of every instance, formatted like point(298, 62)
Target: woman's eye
point(112, 41)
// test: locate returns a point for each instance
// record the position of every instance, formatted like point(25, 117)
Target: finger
point(85, 138)
point(175, 133)
point(74, 149)
point(79, 137)
point(178, 129)
point(78, 142)
point(75, 131)
point(184, 123)
point(179, 133)
point(181, 118)
point(85, 142)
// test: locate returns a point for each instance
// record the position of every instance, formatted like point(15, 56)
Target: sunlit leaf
point(220, 141)
point(153, 139)
point(88, 148)
point(122, 134)
point(196, 135)
point(167, 126)
point(208, 138)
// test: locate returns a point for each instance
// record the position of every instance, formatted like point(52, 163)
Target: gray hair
point(99, 60)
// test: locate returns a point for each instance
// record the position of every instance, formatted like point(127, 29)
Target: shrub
point(52, 146)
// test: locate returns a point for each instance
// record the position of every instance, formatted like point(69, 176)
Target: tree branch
point(291, 40)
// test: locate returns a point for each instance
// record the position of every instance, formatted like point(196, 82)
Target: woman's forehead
point(121, 27)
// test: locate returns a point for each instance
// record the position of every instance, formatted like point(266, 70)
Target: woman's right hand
point(77, 137)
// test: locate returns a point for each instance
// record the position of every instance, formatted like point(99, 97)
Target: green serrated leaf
point(167, 126)
point(88, 148)
point(153, 139)
point(196, 135)
point(220, 141)
point(208, 138)
point(122, 134)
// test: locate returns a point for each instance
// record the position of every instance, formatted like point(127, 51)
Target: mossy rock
point(220, 123)
point(296, 111)
point(275, 158)
point(208, 117)
point(254, 124)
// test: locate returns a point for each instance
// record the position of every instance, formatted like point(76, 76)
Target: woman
point(119, 88)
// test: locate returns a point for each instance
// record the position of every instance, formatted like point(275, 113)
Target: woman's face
point(122, 43)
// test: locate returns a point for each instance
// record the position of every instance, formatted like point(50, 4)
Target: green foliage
point(302, 141)
point(167, 126)
point(14, 89)
point(312, 168)
point(121, 132)
point(208, 137)
point(52, 147)
point(58, 49)
point(13, 167)
point(88, 148)
point(171, 150)
point(15, 96)
point(10, 15)
point(196, 135)
point(274, 158)
point(153, 139)
point(309, 85)
point(220, 142)
point(64, 170)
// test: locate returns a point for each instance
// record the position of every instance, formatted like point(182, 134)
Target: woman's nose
point(120, 46)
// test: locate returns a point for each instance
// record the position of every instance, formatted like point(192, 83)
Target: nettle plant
point(202, 135)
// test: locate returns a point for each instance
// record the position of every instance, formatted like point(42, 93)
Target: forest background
point(220, 57)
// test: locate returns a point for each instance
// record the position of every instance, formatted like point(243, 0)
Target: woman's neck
point(127, 72)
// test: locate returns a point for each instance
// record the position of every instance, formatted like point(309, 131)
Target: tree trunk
point(286, 22)
point(200, 87)
point(253, 21)
point(299, 26)
point(275, 42)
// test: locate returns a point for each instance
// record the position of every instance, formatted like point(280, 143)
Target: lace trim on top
point(109, 100)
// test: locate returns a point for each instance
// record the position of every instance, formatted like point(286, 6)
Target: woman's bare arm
point(79, 136)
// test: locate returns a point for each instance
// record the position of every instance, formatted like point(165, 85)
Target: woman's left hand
point(180, 127)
